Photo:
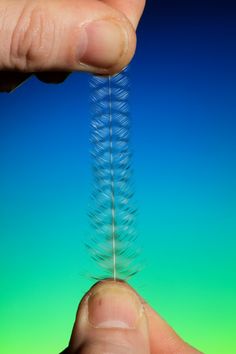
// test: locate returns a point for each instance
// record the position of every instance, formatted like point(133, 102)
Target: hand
point(58, 36)
point(112, 318)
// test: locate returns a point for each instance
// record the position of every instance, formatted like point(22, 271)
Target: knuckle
point(32, 39)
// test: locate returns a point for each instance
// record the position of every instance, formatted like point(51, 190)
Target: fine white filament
point(112, 214)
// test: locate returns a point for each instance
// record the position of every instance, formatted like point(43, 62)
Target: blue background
point(183, 109)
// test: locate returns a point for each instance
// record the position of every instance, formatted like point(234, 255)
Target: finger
point(64, 35)
point(163, 339)
point(110, 319)
point(133, 9)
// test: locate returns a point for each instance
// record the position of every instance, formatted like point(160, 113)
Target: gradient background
point(184, 139)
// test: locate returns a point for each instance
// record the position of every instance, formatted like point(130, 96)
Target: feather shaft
point(113, 216)
point(112, 213)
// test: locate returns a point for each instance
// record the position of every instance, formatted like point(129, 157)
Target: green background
point(184, 141)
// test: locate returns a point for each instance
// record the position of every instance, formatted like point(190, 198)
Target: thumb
point(64, 35)
point(110, 319)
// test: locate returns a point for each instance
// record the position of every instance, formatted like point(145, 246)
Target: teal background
point(184, 141)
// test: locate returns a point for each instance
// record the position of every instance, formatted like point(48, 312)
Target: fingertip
point(67, 36)
point(163, 338)
point(132, 9)
point(111, 44)
point(111, 315)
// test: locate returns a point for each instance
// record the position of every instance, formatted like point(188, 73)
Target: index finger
point(163, 339)
point(133, 9)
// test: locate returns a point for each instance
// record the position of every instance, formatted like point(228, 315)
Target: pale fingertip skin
point(75, 35)
point(113, 318)
point(163, 339)
point(51, 38)
point(101, 55)
point(110, 319)
point(133, 9)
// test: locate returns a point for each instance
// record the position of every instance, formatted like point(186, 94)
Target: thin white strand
point(112, 214)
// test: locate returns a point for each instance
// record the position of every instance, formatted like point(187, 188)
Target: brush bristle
point(113, 214)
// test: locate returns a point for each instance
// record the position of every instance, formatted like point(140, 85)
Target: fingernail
point(114, 306)
point(107, 42)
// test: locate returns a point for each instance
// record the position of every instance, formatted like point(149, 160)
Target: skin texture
point(52, 38)
point(99, 326)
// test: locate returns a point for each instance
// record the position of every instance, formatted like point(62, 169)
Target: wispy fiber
point(112, 214)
